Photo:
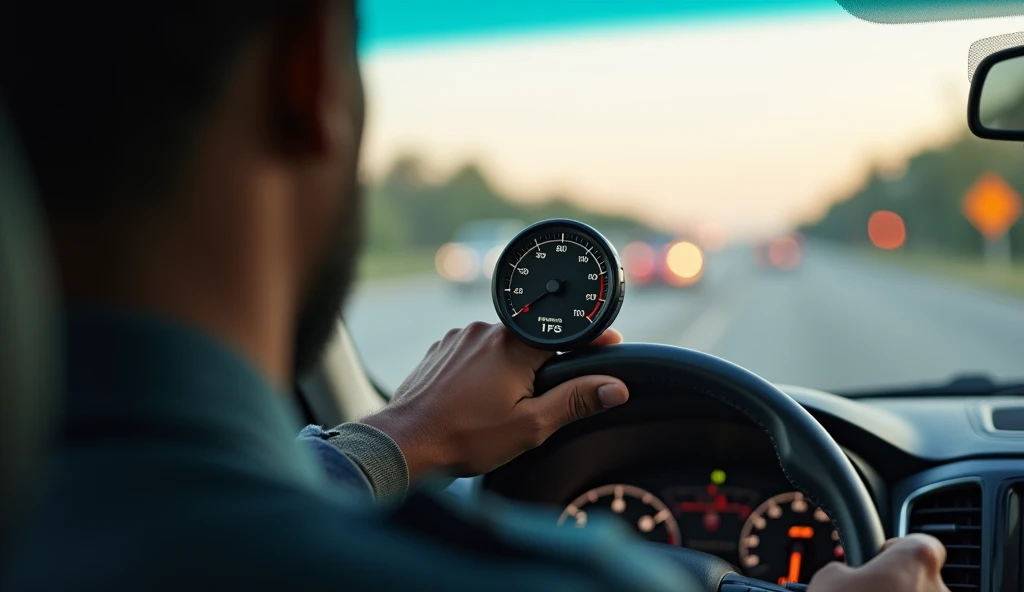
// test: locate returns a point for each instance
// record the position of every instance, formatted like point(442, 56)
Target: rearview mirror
point(995, 109)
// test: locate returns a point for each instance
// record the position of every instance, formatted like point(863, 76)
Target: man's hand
point(469, 407)
point(909, 564)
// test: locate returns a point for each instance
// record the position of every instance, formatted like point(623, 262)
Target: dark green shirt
point(178, 469)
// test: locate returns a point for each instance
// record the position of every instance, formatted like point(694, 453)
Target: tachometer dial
point(644, 512)
point(558, 284)
point(787, 539)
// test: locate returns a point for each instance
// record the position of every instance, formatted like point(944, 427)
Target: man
point(197, 164)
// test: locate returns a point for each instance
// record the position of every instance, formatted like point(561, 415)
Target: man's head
point(197, 159)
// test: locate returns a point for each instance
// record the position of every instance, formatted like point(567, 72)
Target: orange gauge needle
point(794, 566)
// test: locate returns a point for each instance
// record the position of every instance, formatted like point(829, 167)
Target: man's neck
point(188, 276)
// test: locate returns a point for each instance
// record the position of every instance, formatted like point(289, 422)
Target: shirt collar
point(135, 379)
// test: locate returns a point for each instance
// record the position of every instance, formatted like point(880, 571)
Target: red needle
point(794, 566)
point(551, 287)
point(526, 308)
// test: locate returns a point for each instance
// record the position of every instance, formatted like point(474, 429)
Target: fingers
point(913, 562)
point(609, 337)
point(917, 549)
point(574, 400)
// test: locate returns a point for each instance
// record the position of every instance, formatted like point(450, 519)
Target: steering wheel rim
point(810, 458)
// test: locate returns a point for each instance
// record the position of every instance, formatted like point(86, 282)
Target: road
point(842, 321)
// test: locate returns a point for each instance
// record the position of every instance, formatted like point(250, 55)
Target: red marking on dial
point(600, 296)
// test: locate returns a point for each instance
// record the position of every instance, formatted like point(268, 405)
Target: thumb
point(576, 399)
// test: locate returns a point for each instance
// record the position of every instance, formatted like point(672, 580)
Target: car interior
point(767, 482)
point(748, 465)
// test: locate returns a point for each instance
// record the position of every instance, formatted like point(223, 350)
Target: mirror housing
point(995, 107)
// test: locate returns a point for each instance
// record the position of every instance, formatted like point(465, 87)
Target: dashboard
point(680, 469)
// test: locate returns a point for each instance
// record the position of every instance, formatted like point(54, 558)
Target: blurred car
point(781, 252)
point(469, 259)
point(673, 262)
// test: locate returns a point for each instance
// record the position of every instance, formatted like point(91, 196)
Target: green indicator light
point(718, 476)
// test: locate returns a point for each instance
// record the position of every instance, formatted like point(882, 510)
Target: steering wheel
point(810, 459)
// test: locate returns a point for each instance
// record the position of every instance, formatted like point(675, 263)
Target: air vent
point(953, 515)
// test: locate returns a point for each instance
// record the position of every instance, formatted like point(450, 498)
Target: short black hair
point(106, 96)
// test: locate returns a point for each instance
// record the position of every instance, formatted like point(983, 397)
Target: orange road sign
point(992, 206)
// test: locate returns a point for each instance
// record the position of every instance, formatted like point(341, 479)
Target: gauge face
point(787, 539)
point(644, 512)
point(558, 284)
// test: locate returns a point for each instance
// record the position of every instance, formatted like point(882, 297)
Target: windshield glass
point(821, 164)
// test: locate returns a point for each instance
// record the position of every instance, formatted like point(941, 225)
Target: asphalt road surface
point(842, 321)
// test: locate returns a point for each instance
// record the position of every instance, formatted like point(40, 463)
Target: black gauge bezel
point(616, 286)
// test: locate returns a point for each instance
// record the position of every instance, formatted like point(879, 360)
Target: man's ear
point(305, 87)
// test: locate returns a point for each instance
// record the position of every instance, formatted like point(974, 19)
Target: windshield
point(821, 164)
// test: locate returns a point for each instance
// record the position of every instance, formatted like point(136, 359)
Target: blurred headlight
point(685, 261)
point(457, 263)
point(490, 260)
point(638, 259)
point(784, 252)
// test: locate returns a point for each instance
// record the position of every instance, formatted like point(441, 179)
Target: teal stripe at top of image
point(386, 23)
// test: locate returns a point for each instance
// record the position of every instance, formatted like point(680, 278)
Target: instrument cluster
point(762, 526)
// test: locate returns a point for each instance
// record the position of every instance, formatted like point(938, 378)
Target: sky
point(752, 125)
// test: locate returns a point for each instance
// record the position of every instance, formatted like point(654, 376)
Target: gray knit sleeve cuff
point(377, 455)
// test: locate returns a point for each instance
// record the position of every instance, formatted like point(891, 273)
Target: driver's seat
point(27, 337)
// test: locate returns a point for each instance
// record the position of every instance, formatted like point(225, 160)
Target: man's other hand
point(909, 564)
point(469, 407)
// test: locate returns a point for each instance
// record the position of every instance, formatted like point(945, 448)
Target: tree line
point(406, 209)
point(928, 195)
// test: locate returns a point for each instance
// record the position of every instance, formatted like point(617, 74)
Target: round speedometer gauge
point(640, 509)
point(558, 285)
point(787, 539)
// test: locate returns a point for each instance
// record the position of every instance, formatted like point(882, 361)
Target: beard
point(321, 309)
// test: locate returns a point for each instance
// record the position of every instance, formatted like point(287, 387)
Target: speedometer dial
point(558, 284)
point(787, 539)
point(644, 512)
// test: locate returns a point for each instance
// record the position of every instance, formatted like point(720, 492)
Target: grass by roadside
point(967, 270)
point(376, 265)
